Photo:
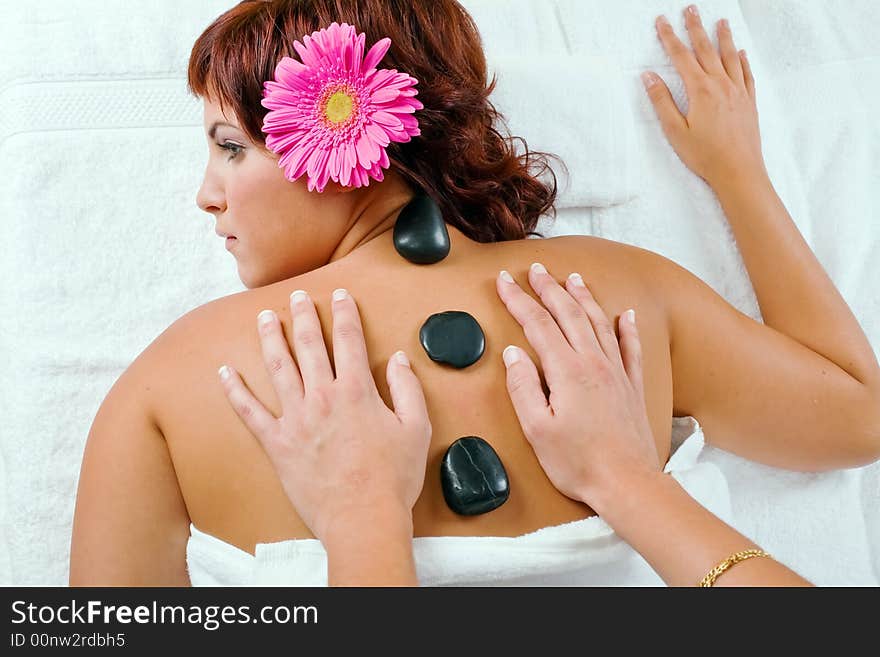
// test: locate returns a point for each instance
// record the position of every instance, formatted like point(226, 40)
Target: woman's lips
point(230, 242)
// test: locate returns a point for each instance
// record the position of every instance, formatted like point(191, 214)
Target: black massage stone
point(473, 478)
point(453, 337)
point(420, 233)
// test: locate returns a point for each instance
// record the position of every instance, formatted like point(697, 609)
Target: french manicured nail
point(266, 317)
point(538, 268)
point(340, 294)
point(694, 11)
point(224, 372)
point(648, 80)
point(631, 316)
point(724, 24)
point(298, 296)
point(401, 358)
point(506, 277)
point(661, 20)
point(510, 355)
point(576, 280)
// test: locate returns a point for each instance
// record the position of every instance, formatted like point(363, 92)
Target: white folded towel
point(580, 553)
point(579, 109)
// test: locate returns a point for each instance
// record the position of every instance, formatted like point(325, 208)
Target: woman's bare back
point(228, 485)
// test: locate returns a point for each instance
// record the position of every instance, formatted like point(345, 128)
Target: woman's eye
point(235, 149)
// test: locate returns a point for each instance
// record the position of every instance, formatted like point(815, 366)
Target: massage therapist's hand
point(343, 457)
point(720, 137)
point(594, 427)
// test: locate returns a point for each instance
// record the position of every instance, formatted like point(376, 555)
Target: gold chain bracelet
point(712, 575)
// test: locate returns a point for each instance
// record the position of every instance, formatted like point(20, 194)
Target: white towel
point(578, 109)
point(580, 553)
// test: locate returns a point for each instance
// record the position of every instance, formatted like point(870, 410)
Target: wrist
point(377, 522)
point(622, 491)
point(738, 180)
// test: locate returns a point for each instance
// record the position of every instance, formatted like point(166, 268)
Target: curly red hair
point(461, 159)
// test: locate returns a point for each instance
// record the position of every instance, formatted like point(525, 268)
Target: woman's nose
point(210, 200)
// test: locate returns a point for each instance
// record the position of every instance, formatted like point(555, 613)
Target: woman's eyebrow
point(217, 124)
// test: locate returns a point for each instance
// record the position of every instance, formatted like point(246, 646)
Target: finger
point(526, 393)
point(567, 312)
point(672, 120)
point(308, 342)
point(407, 395)
point(349, 347)
point(729, 55)
point(252, 413)
point(601, 324)
point(682, 58)
point(747, 73)
point(283, 372)
point(703, 48)
point(631, 351)
point(540, 329)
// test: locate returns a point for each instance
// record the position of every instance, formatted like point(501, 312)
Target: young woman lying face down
point(166, 448)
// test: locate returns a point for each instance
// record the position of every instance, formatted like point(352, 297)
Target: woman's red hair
point(482, 185)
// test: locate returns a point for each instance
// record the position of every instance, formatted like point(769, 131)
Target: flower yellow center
point(339, 107)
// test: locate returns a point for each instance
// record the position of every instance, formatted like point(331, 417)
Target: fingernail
point(538, 268)
point(510, 355)
point(662, 20)
point(266, 317)
point(724, 24)
point(401, 358)
point(224, 372)
point(298, 296)
point(745, 54)
point(631, 316)
point(694, 11)
point(506, 277)
point(340, 294)
point(576, 280)
point(648, 80)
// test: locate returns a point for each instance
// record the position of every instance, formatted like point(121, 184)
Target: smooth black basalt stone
point(453, 337)
point(420, 233)
point(473, 478)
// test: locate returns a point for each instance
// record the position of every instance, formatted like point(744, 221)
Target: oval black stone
point(473, 478)
point(453, 337)
point(420, 233)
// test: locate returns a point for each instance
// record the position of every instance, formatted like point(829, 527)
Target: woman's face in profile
point(281, 228)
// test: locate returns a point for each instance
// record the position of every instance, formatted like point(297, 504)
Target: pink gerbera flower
point(333, 114)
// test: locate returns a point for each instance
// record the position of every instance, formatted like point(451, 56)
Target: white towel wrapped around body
point(580, 553)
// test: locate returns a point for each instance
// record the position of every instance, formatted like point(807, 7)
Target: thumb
point(406, 392)
point(524, 388)
point(671, 119)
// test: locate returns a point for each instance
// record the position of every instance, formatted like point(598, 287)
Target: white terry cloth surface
point(102, 153)
point(591, 125)
point(580, 553)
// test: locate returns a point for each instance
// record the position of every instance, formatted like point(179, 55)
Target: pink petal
point(384, 95)
point(306, 52)
point(387, 119)
point(377, 134)
point(377, 52)
point(297, 165)
point(350, 155)
point(333, 164)
point(358, 54)
point(368, 152)
point(322, 179)
point(379, 79)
